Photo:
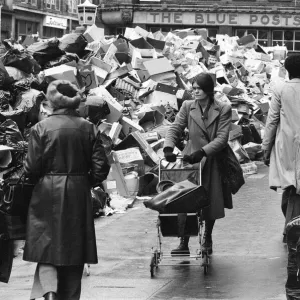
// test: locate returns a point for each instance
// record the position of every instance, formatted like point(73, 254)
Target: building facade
point(47, 18)
point(272, 22)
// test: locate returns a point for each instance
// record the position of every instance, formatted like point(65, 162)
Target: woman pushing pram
point(208, 123)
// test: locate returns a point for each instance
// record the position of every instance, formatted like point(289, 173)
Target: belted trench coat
point(211, 134)
point(282, 135)
point(66, 159)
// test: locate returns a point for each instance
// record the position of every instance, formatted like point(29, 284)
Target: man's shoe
point(50, 296)
point(183, 248)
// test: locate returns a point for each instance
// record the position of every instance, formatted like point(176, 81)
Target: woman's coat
point(210, 133)
point(66, 159)
point(282, 135)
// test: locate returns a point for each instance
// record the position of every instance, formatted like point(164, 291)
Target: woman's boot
point(183, 248)
point(207, 238)
point(50, 296)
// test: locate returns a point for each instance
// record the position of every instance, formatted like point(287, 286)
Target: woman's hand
point(169, 155)
point(195, 157)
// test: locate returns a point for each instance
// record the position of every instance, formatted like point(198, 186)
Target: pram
point(168, 223)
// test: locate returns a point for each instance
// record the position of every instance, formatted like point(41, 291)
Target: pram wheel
point(152, 266)
point(154, 262)
point(205, 262)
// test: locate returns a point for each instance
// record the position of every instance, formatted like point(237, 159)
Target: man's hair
point(292, 65)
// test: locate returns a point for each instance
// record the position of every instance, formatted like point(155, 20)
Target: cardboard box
point(235, 132)
point(115, 131)
point(146, 114)
point(158, 66)
point(163, 95)
point(132, 156)
point(88, 77)
point(158, 45)
point(120, 72)
point(129, 126)
point(101, 69)
point(116, 178)
point(135, 139)
point(93, 33)
point(115, 107)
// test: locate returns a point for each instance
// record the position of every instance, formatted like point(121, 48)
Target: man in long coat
point(65, 158)
point(281, 145)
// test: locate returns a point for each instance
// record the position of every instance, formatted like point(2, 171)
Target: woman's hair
point(206, 82)
point(63, 94)
point(292, 65)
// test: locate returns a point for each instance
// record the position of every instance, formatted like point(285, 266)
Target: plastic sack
point(17, 116)
point(22, 61)
point(5, 100)
point(29, 101)
point(15, 73)
point(45, 51)
point(73, 43)
point(62, 60)
point(100, 200)
point(11, 136)
point(4, 76)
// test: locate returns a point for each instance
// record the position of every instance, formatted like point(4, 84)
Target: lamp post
point(86, 15)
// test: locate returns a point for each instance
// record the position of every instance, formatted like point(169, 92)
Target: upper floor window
point(53, 4)
point(73, 6)
point(32, 2)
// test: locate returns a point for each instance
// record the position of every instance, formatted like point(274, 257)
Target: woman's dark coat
point(66, 159)
point(210, 133)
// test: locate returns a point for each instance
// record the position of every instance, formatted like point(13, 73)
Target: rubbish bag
point(11, 136)
point(100, 200)
point(15, 73)
point(22, 61)
point(62, 60)
point(30, 101)
point(17, 116)
point(5, 79)
point(73, 43)
point(45, 51)
point(5, 100)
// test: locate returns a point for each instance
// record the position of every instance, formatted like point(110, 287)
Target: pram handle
point(181, 158)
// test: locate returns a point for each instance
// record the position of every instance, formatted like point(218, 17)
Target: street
point(249, 259)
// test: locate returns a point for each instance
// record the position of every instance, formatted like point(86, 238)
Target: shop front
point(54, 26)
point(26, 23)
point(270, 29)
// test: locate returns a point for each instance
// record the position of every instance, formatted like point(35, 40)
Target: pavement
point(249, 259)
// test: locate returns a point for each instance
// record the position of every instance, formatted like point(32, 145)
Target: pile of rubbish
point(134, 85)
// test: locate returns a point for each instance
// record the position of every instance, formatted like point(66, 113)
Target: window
point(261, 35)
point(53, 4)
point(25, 28)
point(33, 2)
point(50, 32)
point(288, 38)
point(73, 6)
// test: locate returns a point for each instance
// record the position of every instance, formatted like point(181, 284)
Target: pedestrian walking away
point(208, 123)
point(65, 159)
point(281, 145)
